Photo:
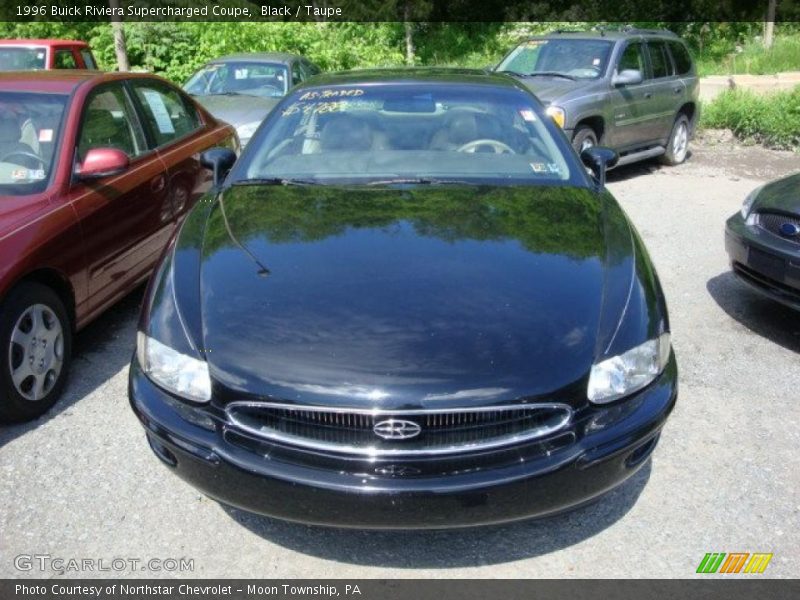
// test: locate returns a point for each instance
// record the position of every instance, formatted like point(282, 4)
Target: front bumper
point(765, 262)
point(598, 452)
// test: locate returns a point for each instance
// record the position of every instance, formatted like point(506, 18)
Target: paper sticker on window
point(539, 167)
point(240, 73)
point(159, 110)
point(27, 174)
point(45, 135)
point(528, 115)
point(596, 62)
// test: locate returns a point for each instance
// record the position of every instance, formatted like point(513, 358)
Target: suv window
point(167, 114)
point(109, 121)
point(683, 62)
point(632, 58)
point(64, 60)
point(660, 60)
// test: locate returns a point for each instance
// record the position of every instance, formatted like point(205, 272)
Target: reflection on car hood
point(550, 89)
point(238, 110)
point(407, 297)
point(781, 195)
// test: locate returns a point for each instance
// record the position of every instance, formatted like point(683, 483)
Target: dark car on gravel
point(763, 241)
point(241, 89)
point(633, 90)
point(96, 172)
point(407, 305)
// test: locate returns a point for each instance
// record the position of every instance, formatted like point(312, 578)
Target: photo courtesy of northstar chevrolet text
point(407, 290)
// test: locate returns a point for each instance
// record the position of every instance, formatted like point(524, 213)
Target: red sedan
point(96, 172)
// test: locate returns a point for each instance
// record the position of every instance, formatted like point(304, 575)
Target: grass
point(754, 59)
point(772, 120)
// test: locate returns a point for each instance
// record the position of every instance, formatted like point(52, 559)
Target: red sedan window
point(109, 122)
point(29, 128)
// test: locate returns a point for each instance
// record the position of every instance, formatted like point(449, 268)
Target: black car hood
point(238, 110)
point(409, 297)
point(782, 195)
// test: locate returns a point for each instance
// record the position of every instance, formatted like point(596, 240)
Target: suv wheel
point(35, 345)
point(678, 144)
point(584, 138)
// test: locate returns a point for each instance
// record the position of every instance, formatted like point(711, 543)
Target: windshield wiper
point(419, 181)
point(514, 73)
point(277, 181)
point(551, 74)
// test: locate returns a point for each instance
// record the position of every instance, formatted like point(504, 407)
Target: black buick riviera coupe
point(408, 304)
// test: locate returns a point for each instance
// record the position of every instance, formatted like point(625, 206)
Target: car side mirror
point(627, 77)
point(102, 162)
point(220, 161)
point(599, 159)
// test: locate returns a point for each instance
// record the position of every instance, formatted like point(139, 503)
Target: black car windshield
point(22, 58)
point(241, 77)
point(29, 127)
point(407, 133)
point(579, 59)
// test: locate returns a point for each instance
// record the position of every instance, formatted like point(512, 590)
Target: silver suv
point(633, 90)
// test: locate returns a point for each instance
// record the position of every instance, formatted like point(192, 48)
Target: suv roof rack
point(628, 29)
point(636, 30)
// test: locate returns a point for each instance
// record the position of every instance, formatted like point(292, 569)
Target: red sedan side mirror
point(102, 162)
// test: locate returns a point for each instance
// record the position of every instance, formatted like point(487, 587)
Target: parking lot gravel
point(81, 482)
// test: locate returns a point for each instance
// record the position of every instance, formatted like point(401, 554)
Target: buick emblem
point(396, 429)
point(789, 229)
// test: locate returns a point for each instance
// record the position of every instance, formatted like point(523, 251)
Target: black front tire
point(584, 137)
point(14, 407)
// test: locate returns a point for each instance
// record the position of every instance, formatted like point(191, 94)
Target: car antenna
point(262, 270)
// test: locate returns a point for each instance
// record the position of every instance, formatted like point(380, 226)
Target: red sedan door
point(126, 219)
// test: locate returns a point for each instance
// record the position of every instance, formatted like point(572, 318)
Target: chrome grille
point(773, 222)
point(352, 431)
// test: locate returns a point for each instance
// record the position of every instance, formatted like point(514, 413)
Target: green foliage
point(752, 58)
point(772, 120)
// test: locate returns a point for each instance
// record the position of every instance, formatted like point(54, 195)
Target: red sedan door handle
point(157, 184)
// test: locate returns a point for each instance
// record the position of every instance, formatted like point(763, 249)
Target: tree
point(409, 33)
point(120, 49)
point(769, 24)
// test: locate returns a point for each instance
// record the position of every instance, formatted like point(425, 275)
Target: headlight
point(247, 130)
point(748, 202)
point(557, 114)
point(622, 375)
point(180, 374)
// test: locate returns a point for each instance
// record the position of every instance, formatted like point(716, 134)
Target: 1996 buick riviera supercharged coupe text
point(407, 305)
